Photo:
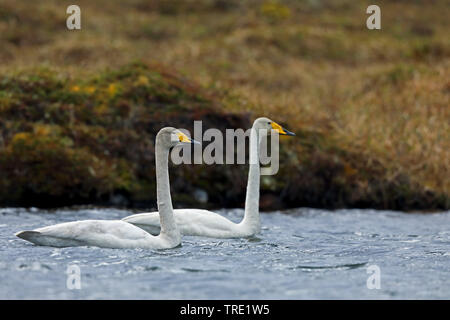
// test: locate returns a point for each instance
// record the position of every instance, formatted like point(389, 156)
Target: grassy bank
point(72, 141)
point(370, 108)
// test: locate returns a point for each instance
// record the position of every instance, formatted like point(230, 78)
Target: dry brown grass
point(312, 65)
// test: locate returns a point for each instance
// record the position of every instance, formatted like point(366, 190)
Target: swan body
point(118, 233)
point(98, 233)
point(204, 223)
point(195, 222)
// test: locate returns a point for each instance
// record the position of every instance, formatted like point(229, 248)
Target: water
point(300, 254)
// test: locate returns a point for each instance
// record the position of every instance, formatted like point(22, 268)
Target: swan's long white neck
point(164, 201)
point(251, 216)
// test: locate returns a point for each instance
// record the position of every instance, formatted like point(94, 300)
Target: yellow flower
point(90, 89)
point(21, 136)
point(75, 88)
point(41, 130)
point(112, 89)
point(275, 10)
point(142, 81)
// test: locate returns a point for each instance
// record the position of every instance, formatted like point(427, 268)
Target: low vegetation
point(370, 108)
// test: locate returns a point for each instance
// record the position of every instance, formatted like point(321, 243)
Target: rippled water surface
point(300, 254)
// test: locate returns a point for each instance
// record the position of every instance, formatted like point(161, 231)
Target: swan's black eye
point(269, 122)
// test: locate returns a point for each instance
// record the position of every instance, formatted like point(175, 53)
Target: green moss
point(82, 140)
point(68, 141)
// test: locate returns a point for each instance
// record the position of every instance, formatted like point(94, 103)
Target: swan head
point(172, 137)
point(268, 125)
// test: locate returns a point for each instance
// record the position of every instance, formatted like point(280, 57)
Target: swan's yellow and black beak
point(182, 138)
point(281, 130)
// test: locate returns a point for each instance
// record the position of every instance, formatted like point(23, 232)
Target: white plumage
point(117, 233)
point(197, 222)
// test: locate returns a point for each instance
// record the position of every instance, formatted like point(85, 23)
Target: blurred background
point(79, 109)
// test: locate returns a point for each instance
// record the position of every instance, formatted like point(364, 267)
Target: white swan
point(118, 233)
point(197, 222)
